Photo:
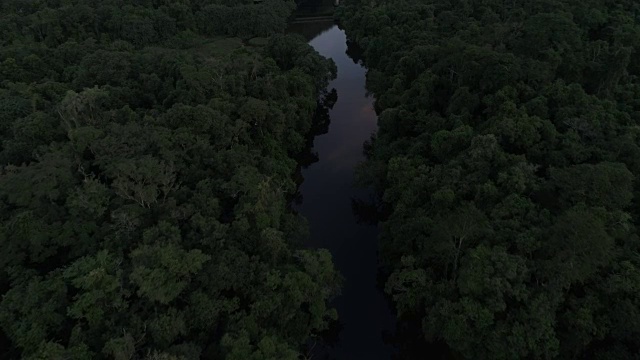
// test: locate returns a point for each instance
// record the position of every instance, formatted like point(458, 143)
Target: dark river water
point(327, 192)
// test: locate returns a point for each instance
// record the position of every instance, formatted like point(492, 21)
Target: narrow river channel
point(327, 191)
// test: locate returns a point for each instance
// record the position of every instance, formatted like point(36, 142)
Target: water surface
point(327, 192)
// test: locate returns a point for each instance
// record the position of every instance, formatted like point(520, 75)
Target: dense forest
point(507, 162)
point(147, 159)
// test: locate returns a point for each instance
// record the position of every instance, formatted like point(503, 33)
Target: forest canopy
point(147, 154)
point(507, 163)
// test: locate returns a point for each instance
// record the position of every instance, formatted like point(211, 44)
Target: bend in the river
point(327, 192)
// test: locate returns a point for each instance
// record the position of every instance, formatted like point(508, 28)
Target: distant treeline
point(145, 168)
point(140, 22)
point(507, 162)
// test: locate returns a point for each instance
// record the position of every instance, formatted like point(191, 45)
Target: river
point(327, 192)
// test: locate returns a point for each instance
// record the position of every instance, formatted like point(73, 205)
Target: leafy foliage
point(507, 162)
point(145, 170)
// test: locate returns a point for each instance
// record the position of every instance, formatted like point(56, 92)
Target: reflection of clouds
point(338, 161)
point(328, 188)
point(341, 149)
point(368, 112)
point(330, 43)
point(353, 118)
point(345, 151)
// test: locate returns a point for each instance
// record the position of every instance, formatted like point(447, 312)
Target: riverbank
point(508, 172)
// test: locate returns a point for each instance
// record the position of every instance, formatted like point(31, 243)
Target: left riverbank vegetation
point(147, 151)
point(507, 162)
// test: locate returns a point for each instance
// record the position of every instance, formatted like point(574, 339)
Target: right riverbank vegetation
point(507, 161)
